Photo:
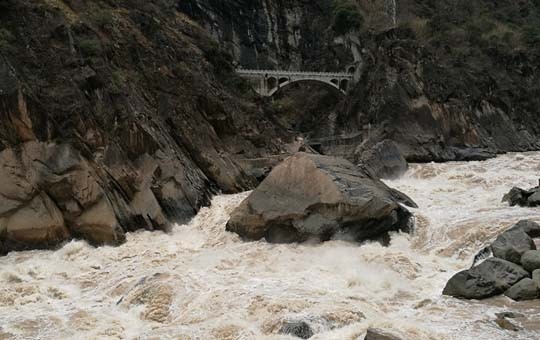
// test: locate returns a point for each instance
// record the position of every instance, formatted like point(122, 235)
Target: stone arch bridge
point(266, 82)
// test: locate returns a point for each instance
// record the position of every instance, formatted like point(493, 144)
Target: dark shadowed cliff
point(116, 115)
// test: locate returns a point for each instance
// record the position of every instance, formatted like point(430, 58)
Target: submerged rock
point(506, 324)
point(525, 289)
point(489, 278)
point(511, 315)
point(318, 196)
point(299, 329)
point(512, 244)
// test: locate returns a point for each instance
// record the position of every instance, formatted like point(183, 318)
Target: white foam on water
point(201, 282)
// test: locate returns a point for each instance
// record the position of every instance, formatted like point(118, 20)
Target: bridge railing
point(295, 73)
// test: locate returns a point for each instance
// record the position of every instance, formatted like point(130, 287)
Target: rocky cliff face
point(445, 80)
point(268, 34)
point(116, 116)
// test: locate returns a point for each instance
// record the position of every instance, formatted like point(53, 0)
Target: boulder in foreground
point(489, 278)
point(314, 196)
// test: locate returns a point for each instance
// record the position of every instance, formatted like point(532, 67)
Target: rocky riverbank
point(514, 270)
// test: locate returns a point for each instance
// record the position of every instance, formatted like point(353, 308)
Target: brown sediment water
point(201, 282)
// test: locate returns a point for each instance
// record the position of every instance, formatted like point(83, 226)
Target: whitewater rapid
point(201, 282)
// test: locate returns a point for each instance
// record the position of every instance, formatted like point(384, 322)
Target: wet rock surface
point(515, 261)
point(489, 278)
point(299, 329)
point(382, 160)
point(506, 324)
point(531, 260)
point(530, 228)
point(512, 244)
point(522, 197)
point(312, 196)
point(525, 289)
point(379, 334)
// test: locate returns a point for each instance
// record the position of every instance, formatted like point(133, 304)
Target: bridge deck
point(295, 73)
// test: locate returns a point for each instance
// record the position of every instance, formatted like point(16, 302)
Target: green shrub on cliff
point(347, 17)
point(103, 18)
point(6, 38)
point(532, 34)
point(90, 47)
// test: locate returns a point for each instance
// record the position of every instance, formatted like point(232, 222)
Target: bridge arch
point(331, 84)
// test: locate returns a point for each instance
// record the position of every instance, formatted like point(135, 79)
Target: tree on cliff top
point(347, 17)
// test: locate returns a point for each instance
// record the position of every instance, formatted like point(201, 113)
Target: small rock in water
point(509, 315)
point(524, 198)
point(379, 334)
point(506, 324)
point(516, 196)
point(525, 289)
point(531, 260)
point(299, 329)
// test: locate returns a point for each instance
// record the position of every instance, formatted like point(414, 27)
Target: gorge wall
point(116, 116)
point(124, 115)
point(448, 80)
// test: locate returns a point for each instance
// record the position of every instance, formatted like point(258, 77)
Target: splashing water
point(391, 9)
point(201, 282)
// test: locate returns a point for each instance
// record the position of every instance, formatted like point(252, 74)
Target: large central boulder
point(313, 196)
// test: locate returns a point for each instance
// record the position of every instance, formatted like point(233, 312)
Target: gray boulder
point(529, 227)
point(524, 198)
point(379, 334)
point(525, 289)
point(314, 196)
point(382, 160)
point(512, 244)
point(39, 224)
point(489, 278)
point(531, 260)
point(536, 277)
point(516, 196)
point(299, 329)
point(534, 199)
